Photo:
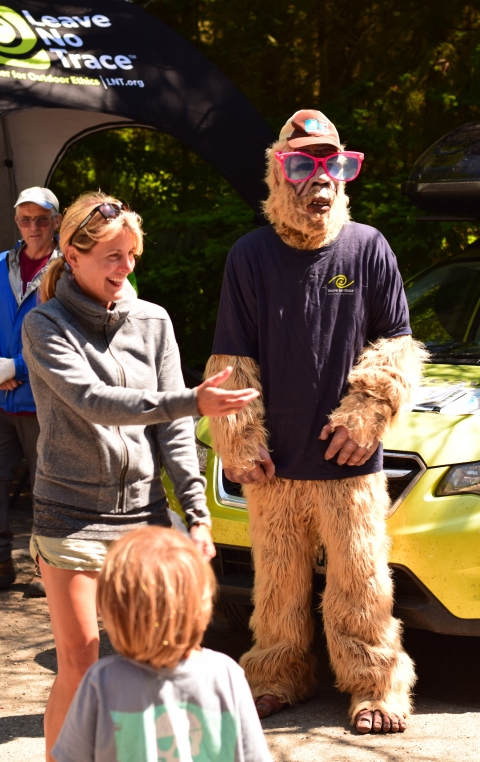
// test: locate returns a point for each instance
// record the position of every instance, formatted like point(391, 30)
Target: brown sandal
point(267, 705)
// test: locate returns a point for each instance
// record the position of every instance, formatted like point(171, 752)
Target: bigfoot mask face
point(309, 214)
point(315, 197)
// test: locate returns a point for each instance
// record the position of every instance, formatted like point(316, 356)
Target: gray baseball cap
point(41, 196)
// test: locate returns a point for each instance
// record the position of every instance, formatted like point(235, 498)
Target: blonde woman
point(112, 407)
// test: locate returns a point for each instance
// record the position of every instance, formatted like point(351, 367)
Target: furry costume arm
point(237, 438)
point(380, 384)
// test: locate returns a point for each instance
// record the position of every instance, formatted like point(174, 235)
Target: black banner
point(114, 58)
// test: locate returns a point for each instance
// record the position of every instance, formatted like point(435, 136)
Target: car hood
point(441, 439)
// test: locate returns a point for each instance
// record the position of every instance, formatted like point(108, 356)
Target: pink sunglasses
point(298, 167)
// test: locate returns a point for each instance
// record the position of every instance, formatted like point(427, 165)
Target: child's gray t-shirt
point(125, 711)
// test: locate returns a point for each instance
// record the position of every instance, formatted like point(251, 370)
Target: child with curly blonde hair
point(163, 697)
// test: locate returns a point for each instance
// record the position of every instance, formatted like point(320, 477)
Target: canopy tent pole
point(10, 190)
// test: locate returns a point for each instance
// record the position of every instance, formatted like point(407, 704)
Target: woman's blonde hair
point(96, 230)
point(155, 596)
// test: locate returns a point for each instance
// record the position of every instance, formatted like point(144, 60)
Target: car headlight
point(460, 479)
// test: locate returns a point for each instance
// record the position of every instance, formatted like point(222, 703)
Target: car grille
point(234, 565)
point(227, 492)
point(402, 469)
point(233, 560)
point(408, 593)
point(231, 488)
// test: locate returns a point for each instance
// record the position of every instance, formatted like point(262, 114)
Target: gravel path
point(445, 727)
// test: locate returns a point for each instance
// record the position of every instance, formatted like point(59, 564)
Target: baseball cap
point(41, 196)
point(307, 127)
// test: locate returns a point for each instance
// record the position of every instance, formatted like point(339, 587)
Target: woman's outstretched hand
point(220, 402)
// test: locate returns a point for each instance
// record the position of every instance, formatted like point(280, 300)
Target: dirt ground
point(444, 728)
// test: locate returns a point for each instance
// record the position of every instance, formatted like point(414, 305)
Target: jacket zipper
point(121, 492)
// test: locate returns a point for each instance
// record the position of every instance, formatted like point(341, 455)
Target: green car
point(432, 461)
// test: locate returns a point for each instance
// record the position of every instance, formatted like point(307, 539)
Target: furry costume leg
point(284, 540)
point(364, 640)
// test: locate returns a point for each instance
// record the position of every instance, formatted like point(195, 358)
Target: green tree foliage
point(394, 77)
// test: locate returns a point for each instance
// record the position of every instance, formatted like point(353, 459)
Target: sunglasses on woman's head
point(108, 210)
point(297, 167)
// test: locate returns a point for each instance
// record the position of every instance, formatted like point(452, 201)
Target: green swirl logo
point(341, 281)
point(17, 41)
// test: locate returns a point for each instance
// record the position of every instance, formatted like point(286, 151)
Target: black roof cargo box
point(445, 181)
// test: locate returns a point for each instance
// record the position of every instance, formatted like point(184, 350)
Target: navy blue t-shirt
point(305, 317)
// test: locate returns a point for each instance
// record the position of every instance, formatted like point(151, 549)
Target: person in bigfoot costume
point(313, 315)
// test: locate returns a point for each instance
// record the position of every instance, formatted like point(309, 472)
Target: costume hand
point(349, 452)
point(221, 402)
point(263, 470)
point(202, 538)
point(10, 385)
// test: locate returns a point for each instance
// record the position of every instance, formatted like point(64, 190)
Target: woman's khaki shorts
point(67, 553)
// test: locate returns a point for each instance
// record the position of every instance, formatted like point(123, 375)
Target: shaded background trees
point(393, 77)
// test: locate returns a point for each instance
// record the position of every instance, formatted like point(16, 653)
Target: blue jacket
point(13, 309)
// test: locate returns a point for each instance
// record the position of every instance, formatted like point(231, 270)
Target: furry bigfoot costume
point(366, 365)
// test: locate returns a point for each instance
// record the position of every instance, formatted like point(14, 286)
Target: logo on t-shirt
point(174, 733)
point(342, 286)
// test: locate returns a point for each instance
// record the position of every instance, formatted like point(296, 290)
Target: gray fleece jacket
point(112, 408)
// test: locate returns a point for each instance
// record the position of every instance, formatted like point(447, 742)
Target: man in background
point(21, 271)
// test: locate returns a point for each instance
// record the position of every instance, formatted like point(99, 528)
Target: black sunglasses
point(107, 210)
